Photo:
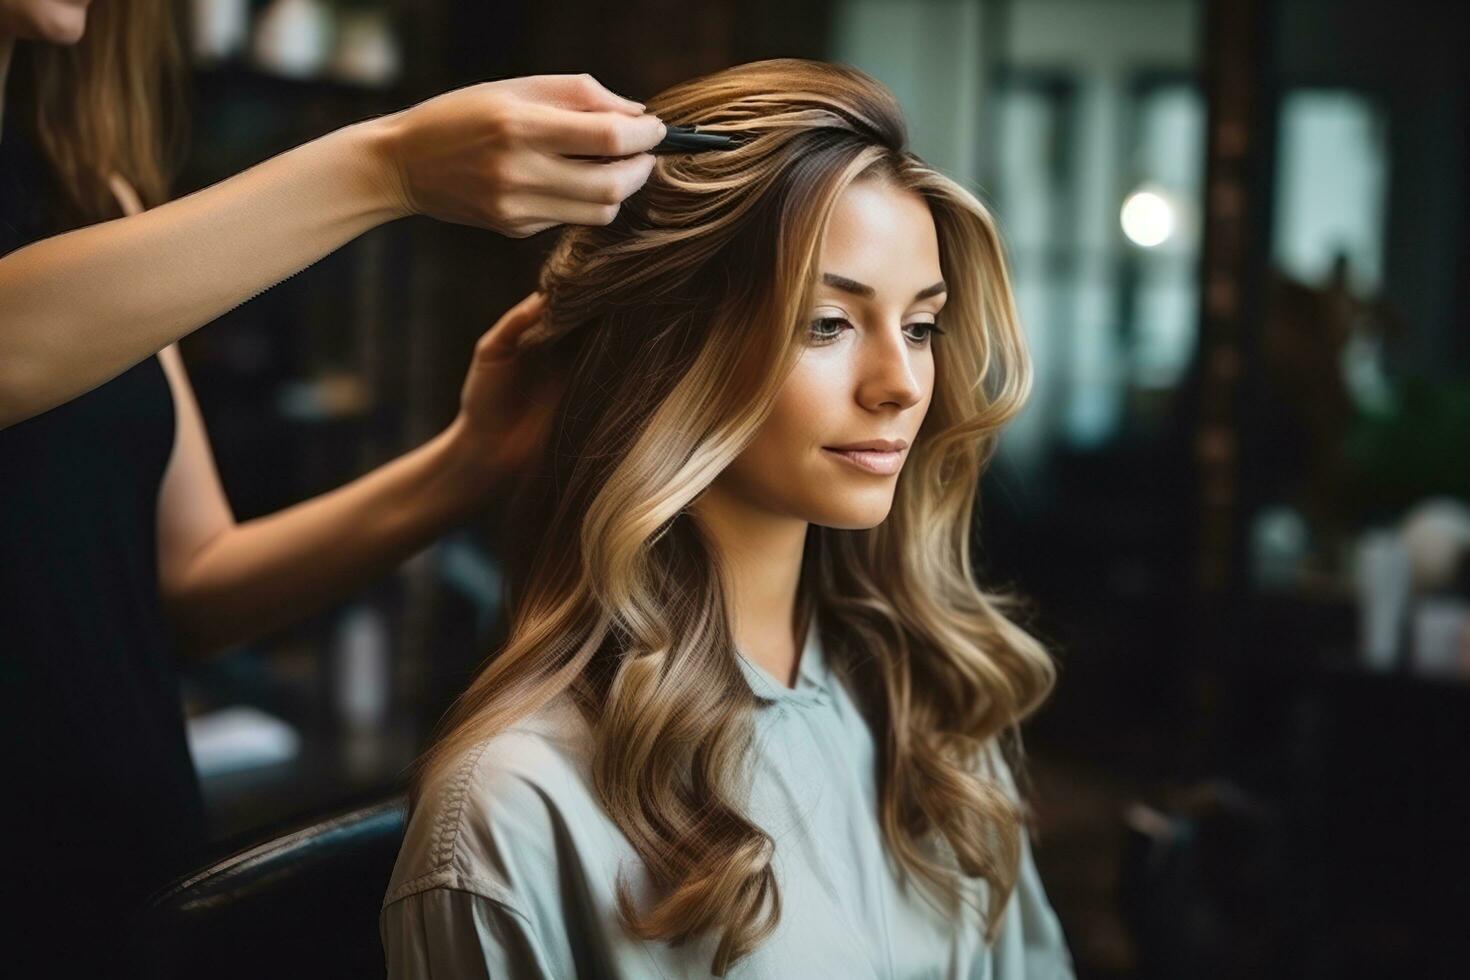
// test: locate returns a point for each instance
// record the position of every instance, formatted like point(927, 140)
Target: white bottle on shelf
point(219, 28)
point(1382, 576)
point(294, 38)
point(361, 674)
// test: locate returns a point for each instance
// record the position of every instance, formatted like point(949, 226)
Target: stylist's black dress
point(100, 801)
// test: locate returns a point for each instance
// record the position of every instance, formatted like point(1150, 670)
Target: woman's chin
point(858, 515)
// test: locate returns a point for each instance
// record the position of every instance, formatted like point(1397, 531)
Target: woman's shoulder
point(487, 823)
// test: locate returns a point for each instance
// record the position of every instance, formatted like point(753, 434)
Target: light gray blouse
point(509, 868)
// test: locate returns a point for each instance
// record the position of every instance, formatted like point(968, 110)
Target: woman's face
point(53, 21)
point(865, 374)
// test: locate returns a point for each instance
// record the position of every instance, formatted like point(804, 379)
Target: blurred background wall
point(1238, 495)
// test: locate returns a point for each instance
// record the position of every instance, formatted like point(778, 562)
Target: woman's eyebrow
point(861, 289)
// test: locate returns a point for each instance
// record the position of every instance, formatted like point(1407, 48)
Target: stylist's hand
point(496, 155)
point(503, 417)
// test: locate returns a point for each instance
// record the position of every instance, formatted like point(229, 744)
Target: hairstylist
point(118, 549)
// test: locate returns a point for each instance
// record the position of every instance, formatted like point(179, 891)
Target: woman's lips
point(870, 460)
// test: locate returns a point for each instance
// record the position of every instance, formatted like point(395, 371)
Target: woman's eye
point(816, 331)
point(930, 329)
point(827, 328)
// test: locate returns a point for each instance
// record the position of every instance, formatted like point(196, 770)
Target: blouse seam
point(490, 891)
point(444, 842)
point(448, 826)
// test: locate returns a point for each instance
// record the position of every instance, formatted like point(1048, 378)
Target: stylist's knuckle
point(608, 190)
point(607, 213)
point(498, 129)
point(638, 177)
point(503, 123)
point(499, 173)
point(497, 210)
point(608, 137)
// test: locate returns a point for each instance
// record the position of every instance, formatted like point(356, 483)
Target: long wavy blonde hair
point(674, 327)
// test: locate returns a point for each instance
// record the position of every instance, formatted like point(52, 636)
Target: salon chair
point(304, 904)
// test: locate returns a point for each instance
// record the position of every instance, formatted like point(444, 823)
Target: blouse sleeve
point(450, 934)
point(1037, 950)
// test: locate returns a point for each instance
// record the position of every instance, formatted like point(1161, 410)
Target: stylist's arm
point(80, 308)
point(225, 583)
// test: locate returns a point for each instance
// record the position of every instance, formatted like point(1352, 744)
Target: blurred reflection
point(1359, 485)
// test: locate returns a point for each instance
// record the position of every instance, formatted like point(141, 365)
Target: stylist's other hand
point(503, 415)
point(497, 155)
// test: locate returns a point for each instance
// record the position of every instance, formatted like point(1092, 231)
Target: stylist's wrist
point(376, 142)
point(471, 464)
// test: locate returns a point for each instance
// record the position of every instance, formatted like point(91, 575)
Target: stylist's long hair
point(109, 104)
point(674, 327)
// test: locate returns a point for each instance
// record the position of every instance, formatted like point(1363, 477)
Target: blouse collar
point(813, 678)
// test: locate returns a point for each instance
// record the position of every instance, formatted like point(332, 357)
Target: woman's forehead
point(880, 237)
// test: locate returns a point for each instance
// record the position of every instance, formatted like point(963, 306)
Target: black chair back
point(302, 905)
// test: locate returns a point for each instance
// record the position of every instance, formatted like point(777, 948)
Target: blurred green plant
point(1415, 446)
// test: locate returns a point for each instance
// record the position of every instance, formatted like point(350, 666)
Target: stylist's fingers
point(477, 155)
point(602, 182)
point(552, 211)
point(595, 134)
point(499, 342)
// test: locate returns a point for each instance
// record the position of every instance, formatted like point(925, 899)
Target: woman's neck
point(761, 553)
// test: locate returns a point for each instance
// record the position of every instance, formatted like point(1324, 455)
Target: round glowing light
point(1148, 218)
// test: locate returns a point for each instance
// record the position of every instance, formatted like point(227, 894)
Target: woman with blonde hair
point(749, 714)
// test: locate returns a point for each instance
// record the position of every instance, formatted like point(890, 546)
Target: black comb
point(685, 139)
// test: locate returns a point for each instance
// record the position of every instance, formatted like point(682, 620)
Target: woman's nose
point(891, 369)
